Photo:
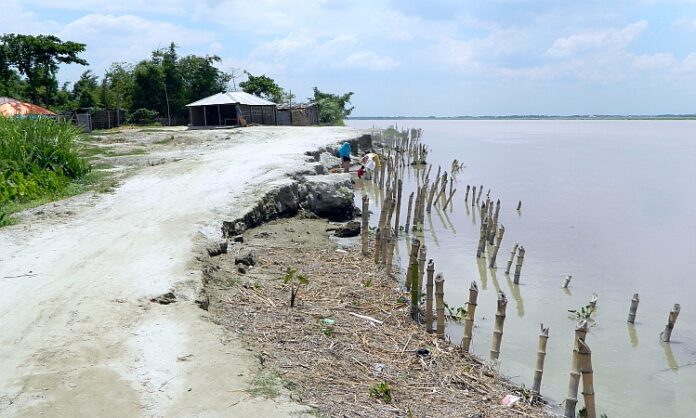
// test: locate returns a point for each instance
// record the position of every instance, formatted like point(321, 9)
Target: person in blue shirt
point(344, 153)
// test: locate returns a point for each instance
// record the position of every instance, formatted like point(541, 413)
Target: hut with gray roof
point(231, 108)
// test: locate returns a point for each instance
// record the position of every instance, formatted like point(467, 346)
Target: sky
point(408, 57)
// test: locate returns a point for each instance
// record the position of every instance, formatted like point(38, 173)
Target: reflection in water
point(449, 222)
point(632, 335)
point(494, 279)
point(432, 230)
point(482, 272)
point(516, 294)
point(567, 291)
point(671, 361)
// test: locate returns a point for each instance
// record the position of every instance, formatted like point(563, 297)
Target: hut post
point(364, 228)
point(666, 335)
point(408, 213)
point(585, 355)
point(429, 297)
point(469, 321)
point(518, 267)
point(574, 382)
point(541, 356)
point(634, 308)
point(499, 323)
point(440, 305)
point(499, 236)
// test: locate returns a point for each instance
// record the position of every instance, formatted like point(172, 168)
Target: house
point(298, 114)
point(231, 108)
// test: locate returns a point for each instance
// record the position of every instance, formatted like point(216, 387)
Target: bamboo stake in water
point(499, 323)
point(494, 256)
point(634, 308)
point(469, 321)
point(478, 198)
point(585, 355)
point(408, 213)
point(399, 186)
point(518, 267)
point(473, 196)
point(431, 195)
point(512, 257)
point(491, 236)
point(440, 305)
point(422, 253)
point(666, 335)
point(519, 205)
point(574, 382)
point(541, 356)
point(429, 297)
point(391, 242)
point(378, 244)
point(449, 199)
point(412, 259)
point(567, 280)
point(364, 227)
point(480, 252)
point(415, 294)
point(466, 196)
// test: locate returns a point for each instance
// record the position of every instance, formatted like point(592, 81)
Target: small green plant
point(295, 281)
point(457, 315)
point(267, 384)
point(583, 414)
point(584, 313)
point(382, 391)
point(367, 282)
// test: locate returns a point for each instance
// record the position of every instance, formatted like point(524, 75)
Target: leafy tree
point(263, 86)
point(172, 82)
point(119, 80)
point(37, 58)
point(201, 77)
point(332, 107)
point(148, 87)
point(86, 91)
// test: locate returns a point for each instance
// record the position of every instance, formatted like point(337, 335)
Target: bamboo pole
point(480, 252)
point(433, 189)
point(466, 196)
point(666, 335)
point(422, 253)
point(391, 242)
point(494, 228)
point(572, 399)
point(449, 199)
point(588, 393)
point(499, 239)
point(470, 313)
point(518, 267)
point(499, 323)
point(440, 305)
point(541, 356)
point(473, 196)
point(429, 297)
point(364, 227)
point(478, 198)
point(519, 205)
point(399, 186)
point(634, 308)
point(378, 244)
point(567, 280)
point(413, 258)
point(512, 256)
point(415, 294)
point(408, 213)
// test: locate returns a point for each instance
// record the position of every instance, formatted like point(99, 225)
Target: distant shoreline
point(532, 117)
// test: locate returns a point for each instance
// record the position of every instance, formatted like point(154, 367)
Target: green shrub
point(38, 157)
point(142, 116)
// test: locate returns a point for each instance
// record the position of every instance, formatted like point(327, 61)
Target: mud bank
point(348, 348)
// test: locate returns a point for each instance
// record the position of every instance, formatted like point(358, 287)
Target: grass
point(135, 151)
point(267, 384)
point(165, 141)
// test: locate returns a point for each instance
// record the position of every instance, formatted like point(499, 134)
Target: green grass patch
point(267, 384)
point(101, 165)
point(165, 141)
point(135, 151)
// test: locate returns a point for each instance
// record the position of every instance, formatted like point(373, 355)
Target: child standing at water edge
point(344, 153)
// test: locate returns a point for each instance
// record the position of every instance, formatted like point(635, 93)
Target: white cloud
point(653, 62)
point(159, 7)
point(607, 39)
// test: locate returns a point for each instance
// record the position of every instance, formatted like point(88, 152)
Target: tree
point(148, 87)
point(332, 107)
point(119, 79)
point(37, 58)
point(86, 91)
point(264, 87)
point(201, 77)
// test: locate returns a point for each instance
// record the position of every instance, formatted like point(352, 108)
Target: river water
point(612, 203)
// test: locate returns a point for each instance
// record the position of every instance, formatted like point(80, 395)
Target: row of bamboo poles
point(404, 149)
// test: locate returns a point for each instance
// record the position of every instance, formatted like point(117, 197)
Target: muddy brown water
point(611, 203)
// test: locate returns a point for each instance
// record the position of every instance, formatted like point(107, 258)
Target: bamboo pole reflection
point(669, 355)
point(516, 294)
point(632, 335)
point(567, 291)
point(494, 278)
point(450, 222)
point(482, 272)
point(432, 229)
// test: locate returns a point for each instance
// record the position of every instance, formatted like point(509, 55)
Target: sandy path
point(78, 336)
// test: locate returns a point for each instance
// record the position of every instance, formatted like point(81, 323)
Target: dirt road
point(78, 335)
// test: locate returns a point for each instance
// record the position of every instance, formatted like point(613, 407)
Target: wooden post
point(391, 242)
point(498, 329)
point(466, 196)
point(666, 335)
point(413, 258)
point(633, 309)
point(518, 267)
point(478, 198)
point(480, 252)
point(473, 196)
point(512, 256)
point(416, 209)
point(429, 297)
point(399, 186)
point(572, 399)
point(469, 321)
point(449, 199)
point(421, 267)
point(431, 195)
point(541, 356)
point(499, 236)
point(378, 244)
point(408, 213)
point(364, 231)
point(491, 236)
point(519, 205)
point(415, 294)
point(440, 305)
point(567, 280)
point(585, 355)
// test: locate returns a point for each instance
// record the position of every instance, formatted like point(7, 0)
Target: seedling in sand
point(295, 282)
point(382, 391)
